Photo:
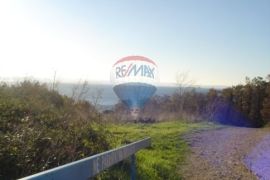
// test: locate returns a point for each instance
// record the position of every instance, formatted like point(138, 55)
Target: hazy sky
point(217, 42)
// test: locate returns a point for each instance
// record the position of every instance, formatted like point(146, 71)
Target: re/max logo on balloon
point(134, 70)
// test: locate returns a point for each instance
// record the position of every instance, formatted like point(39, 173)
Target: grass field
point(163, 158)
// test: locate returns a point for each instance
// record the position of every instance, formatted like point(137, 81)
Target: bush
point(41, 129)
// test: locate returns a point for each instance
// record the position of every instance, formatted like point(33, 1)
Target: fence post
point(133, 167)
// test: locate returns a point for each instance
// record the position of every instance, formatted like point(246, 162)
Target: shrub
point(41, 129)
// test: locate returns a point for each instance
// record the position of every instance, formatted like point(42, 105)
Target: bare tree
point(80, 91)
point(184, 84)
point(54, 83)
point(96, 96)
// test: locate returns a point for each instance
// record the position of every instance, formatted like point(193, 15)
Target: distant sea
point(107, 96)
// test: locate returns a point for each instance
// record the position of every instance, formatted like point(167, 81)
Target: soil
point(222, 153)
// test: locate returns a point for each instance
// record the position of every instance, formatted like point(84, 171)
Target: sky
point(215, 42)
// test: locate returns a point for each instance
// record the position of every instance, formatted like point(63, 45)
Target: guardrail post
point(133, 167)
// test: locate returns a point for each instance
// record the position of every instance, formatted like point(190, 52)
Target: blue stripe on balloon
point(134, 95)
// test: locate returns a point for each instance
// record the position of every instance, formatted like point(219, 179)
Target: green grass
point(167, 152)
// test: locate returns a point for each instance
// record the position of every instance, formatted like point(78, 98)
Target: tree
point(257, 98)
point(266, 106)
point(183, 85)
point(212, 104)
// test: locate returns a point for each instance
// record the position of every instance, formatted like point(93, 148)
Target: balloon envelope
point(134, 79)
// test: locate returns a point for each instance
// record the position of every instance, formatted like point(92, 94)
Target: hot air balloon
point(134, 79)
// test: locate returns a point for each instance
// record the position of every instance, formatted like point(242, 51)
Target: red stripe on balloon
point(135, 58)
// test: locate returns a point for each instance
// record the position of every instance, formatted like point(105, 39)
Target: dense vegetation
point(242, 105)
point(40, 129)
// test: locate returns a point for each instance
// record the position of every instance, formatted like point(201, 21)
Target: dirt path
point(220, 154)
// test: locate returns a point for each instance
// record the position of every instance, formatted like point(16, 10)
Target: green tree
point(266, 104)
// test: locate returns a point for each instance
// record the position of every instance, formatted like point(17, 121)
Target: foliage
point(266, 106)
point(41, 129)
point(241, 105)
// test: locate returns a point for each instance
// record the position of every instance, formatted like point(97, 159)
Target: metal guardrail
point(91, 166)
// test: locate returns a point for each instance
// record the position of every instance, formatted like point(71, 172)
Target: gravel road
point(226, 153)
